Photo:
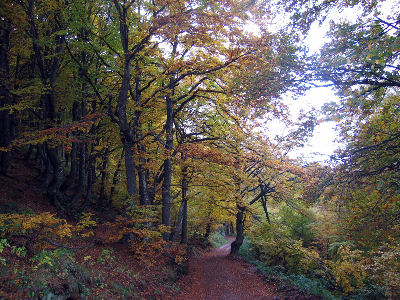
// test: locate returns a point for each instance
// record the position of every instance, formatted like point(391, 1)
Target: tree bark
point(184, 237)
point(239, 230)
point(82, 179)
point(143, 189)
point(208, 230)
point(5, 121)
point(76, 115)
point(127, 135)
point(130, 172)
point(53, 190)
point(115, 177)
point(103, 171)
point(175, 234)
point(166, 186)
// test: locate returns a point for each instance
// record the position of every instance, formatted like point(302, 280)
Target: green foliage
point(349, 269)
point(314, 286)
point(317, 287)
point(245, 249)
point(334, 247)
point(217, 239)
point(56, 261)
point(3, 244)
point(300, 224)
point(273, 245)
point(19, 251)
point(86, 78)
point(106, 257)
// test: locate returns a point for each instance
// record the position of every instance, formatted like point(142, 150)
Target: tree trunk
point(184, 236)
point(130, 167)
point(76, 115)
point(73, 170)
point(82, 179)
point(127, 135)
point(239, 230)
point(103, 171)
point(5, 122)
point(208, 230)
point(91, 180)
point(143, 189)
point(115, 178)
point(184, 200)
point(178, 227)
point(53, 190)
point(166, 186)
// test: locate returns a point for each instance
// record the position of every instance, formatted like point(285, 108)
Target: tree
point(5, 123)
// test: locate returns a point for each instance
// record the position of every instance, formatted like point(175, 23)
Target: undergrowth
point(217, 239)
point(315, 287)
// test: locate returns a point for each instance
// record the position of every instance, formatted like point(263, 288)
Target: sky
point(322, 144)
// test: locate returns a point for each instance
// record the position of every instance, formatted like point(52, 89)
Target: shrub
point(217, 239)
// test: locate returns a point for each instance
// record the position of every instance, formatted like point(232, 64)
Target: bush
point(317, 287)
point(245, 249)
point(217, 239)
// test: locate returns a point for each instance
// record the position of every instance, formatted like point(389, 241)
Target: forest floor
point(216, 275)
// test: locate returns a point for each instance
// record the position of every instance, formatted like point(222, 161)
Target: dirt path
point(218, 276)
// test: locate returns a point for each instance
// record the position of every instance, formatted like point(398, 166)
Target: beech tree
point(127, 86)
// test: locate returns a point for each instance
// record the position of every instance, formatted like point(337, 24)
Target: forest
point(134, 134)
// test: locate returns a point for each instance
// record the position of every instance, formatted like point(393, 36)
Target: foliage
point(314, 286)
point(273, 245)
point(349, 269)
point(35, 226)
point(385, 267)
point(217, 239)
point(105, 257)
point(344, 268)
point(123, 106)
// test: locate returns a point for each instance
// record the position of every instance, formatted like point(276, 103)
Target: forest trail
point(216, 275)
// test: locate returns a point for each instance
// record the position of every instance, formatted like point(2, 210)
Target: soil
point(217, 275)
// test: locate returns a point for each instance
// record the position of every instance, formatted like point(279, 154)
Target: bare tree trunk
point(143, 189)
point(103, 171)
point(76, 115)
point(208, 230)
point(56, 197)
point(115, 178)
point(82, 180)
point(126, 131)
point(184, 237)
point(130, 167)
point(178, 227)
point(166, 186)
point(5, 121)
point(239, 230)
